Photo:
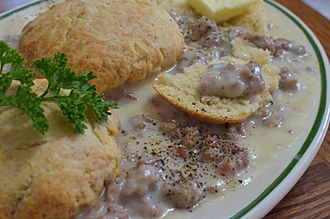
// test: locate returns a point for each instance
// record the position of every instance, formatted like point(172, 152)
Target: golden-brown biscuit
point(120, 40)
point(254, 19)
point(55, 175)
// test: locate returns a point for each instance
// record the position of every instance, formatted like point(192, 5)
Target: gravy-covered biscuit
point(183, 92)
point(120, 40)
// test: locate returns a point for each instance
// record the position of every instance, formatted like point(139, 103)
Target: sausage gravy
point(173, 164)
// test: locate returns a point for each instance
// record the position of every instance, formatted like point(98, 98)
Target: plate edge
point(320, 121)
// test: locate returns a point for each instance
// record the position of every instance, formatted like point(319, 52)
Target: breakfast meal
point(203, 87)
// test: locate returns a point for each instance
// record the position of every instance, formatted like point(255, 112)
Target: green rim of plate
point(312, 133)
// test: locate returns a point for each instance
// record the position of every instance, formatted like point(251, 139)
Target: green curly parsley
point(82, 96)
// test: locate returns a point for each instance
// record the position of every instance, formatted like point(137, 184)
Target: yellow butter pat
point(220, 10)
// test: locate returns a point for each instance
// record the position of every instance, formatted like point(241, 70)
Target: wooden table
point(310, 198)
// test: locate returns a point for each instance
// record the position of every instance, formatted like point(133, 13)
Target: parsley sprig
point(74, 104)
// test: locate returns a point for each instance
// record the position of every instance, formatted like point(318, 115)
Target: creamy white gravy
point(268, 135)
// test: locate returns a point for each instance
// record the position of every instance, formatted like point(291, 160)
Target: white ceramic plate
point(268, 188)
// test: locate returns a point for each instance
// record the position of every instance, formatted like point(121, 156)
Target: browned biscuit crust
point(203, 114)
point(120, 40)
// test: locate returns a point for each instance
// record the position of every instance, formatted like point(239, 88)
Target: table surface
point(310, 197)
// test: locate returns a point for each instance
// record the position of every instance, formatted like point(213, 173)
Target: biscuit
point(246, 52)
point(55, 175)
point(254, 19)
point(119, 40)
point(174, 5)
point(181, 90)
